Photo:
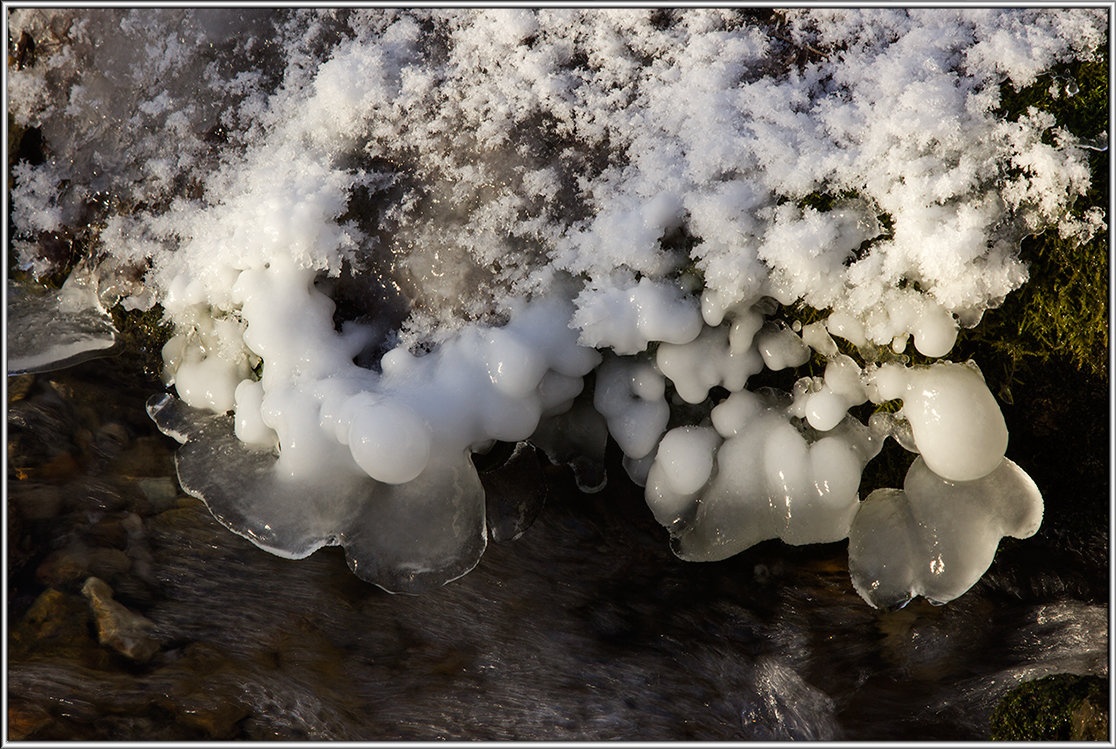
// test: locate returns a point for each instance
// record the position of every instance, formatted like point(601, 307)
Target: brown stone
point(36, 501)
point(123, 630)
point(25, 719)
point(212, 712)
point(55, 620)
point(78, 562)
point(19, 386)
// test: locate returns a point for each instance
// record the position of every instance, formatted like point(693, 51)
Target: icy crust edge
point(405, 538)
point(52, 331)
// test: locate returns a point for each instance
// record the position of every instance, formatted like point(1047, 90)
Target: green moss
point(1064, 707)
point(144, 333)
point(1061, 314)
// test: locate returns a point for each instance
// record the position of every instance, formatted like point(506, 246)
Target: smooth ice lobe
point(626, 320)
point(935, 537)
point(767, 481)
point(956, 423)
point(389, 442)
point(686, 457)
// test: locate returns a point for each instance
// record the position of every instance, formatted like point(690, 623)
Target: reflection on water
point(585, 627)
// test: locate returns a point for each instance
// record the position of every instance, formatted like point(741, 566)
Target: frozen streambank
point(407, 236)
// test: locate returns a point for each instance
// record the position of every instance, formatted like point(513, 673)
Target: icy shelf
point(52, 330)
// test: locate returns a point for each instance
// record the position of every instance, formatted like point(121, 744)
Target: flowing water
point(585, 627)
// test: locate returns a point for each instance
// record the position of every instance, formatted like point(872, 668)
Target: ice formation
point(51, 330)
point(390, 240)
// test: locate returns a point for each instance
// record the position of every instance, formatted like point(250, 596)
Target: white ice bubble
point(781, 347)
point(956, 422)
point(686, 457)
point(389, 442)
point(635, 422)
point(513, 366)
point(706, 362)
point(769, 482)
point(209, 382)
point(825, 409)
point(249, 425)
point(935, 331)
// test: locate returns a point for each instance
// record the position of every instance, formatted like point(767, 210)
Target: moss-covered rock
point(1063, 707)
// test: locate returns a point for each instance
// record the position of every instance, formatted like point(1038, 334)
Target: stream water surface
point(585, 627)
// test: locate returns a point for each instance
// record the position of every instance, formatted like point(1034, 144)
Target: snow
point(388, 238)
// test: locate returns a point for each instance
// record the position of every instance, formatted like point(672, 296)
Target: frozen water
point(403, 538)
point(935, 537)
point(387, 239)
point(52, 330)
point(769, 481)
point(955, 421)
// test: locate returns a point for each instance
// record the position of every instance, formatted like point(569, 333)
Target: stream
point(584, 628)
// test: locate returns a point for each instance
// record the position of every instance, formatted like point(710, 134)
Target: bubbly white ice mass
point(388, 239)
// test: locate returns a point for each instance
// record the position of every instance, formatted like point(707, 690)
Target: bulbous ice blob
point(935, 537)
point(209, 382)
point(625, 320)
point(935, 331)
point(842, 387)
point(817, 337)
point(825, 410)
point(731, 415)
point(768, 482)
point(742, 334)
point(844, 325)
point(250, 427)
point(629, 394)
point(404, 538)
point(389, 441)
point(955, 421)
point(706, 362)
point(781, 347)
point(513, 366)
point(686, 457)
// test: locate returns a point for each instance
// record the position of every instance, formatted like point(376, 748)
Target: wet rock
point(1063, 707)
point(55, 621)
point(77, 562)
point(109, 441)
point(35, 501)
point(212, 712)
point(123, 630)
point(19, 386)
point(146, 456)
point(25, 719)
point(108, 495)
point(161, 491)
point(106, 531)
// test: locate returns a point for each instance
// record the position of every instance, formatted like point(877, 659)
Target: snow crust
point(389, 239)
